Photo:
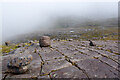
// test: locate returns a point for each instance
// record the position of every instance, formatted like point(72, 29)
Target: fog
point(21, 18)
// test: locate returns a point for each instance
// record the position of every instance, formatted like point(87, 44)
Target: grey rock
point(18, 62)
point(44, 41)
point(17, 70)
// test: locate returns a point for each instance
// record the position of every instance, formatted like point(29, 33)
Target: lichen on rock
point(18, 63)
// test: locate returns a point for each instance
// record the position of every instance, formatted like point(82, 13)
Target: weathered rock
point(69, 59)
point(44, 41)
point(18, 70)
point(70, 39)
point(91, 43)
point(7, 43)
point(18, 63)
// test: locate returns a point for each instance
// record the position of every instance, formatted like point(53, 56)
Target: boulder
point(18, 70)
point(7, 43)
point(44, 41)
point(91, 43)
point(18, 63)
point(70, 39)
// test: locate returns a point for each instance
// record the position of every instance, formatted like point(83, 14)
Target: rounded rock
point(44, 41)
point(20, 60)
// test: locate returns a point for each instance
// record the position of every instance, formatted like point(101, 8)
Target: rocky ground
point(69, 59)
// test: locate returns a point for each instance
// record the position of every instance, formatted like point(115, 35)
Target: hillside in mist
point(64, 22)
point(24, 18)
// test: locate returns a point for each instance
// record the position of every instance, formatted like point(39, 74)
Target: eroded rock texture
point(71, 59)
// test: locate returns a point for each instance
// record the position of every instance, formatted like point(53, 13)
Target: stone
point(70, 39)
point(18, 62)
point(44, 41)
point(91, 43)
point(17, 70)
point(7, 43)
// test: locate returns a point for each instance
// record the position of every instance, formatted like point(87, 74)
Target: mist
point(21, 18)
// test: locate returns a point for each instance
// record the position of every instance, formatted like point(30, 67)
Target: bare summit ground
point(70, 59)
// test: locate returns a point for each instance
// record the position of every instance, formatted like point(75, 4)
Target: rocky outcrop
point(67, 59)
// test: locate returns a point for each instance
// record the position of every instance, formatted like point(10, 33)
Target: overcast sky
point(19, 18)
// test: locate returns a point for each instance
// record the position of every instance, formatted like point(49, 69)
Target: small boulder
point(70, 39)
point(7, 43)
point(17, 70)
point(18, 63)
point(44, 41)
point(91, 43)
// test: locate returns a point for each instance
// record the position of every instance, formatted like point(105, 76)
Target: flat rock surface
point(70, 59)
